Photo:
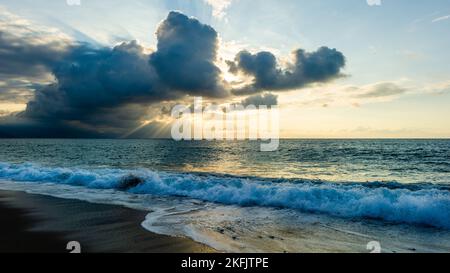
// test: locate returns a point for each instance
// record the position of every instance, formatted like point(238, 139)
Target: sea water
point(309, 196)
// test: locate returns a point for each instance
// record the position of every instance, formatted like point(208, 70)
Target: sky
point(337, 69)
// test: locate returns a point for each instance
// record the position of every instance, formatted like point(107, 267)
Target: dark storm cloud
point(94, 86)
point(186, 54)
point(108, 92)
point(16, 127)
point(309, 67)
point(93, 80)
point(261, 99)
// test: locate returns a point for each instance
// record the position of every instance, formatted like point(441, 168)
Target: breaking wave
point(420, 204)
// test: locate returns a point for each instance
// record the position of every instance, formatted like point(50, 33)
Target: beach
point(43, 224)
point(34, 223)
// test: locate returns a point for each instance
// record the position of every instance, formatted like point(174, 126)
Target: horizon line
point(236, 140)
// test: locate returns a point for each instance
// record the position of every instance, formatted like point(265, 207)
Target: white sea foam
point(423, 205)
point(232, 228)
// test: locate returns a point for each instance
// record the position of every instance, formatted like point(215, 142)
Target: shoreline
point(42, 224)
point(36, 223)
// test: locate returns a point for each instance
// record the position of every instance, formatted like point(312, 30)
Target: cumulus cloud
point(320, 66)
point(187, 50)
point(97, 78)
point(92, 81)
point(94, 87)
point(83, 90)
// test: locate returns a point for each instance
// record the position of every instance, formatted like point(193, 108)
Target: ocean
point(309, 196)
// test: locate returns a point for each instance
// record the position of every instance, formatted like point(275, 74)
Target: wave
point(421, 204)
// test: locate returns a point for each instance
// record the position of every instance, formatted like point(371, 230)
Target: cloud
point(442, 18)
point(320, 66)
point(186, 54)
point(381, 90)
point(219, 7)
point(374, 2)
point(27, 50)
point(16, 91)
point(92, 81)
point(45, 130)
point(350, 95)
point(75, 89)
point(261, 99)
point(4, 113)
point(94, 87)
point(439, 88)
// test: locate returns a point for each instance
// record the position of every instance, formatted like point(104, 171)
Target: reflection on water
point(406, 161)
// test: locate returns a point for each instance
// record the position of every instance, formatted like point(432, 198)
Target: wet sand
point(41, 224)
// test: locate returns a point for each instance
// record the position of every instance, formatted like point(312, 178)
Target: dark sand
point(35, 223)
